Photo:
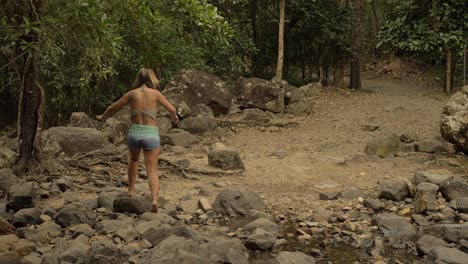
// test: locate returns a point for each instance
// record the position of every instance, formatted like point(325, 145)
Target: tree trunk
point(255, 33)
point(355, 74)
point(339, 75)
point(449, 71)
point(279, 67)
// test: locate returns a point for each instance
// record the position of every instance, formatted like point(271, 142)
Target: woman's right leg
point(133, 160)
point(151, 163)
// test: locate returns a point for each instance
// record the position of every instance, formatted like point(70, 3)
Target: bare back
point(145, 100)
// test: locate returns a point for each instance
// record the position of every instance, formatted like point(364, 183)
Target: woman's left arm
point(115, 107)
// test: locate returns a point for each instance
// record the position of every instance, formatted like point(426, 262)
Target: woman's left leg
point(151, 163)
point(133, 169)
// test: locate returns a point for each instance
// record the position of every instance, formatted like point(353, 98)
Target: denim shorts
point(143, 137)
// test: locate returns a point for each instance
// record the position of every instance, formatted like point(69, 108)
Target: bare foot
point(131, 193)
point(154, 206)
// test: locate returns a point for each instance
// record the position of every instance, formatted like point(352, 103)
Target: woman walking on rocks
point(143, 100)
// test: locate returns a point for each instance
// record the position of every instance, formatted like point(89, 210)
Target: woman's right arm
point(169, 107)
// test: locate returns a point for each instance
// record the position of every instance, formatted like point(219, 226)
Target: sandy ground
point(315, 150)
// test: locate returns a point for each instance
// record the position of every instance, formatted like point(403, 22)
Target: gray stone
point(453, 125)
point(133, 205)
point(104, 252)
point(374, 204)
point(198, 125)
point(432, 177)
point(329, 195)
point(263, 223)
point(163, 218)
point(321, 215)
point(178, 137)
point(21, 196)
point(454, 189)
point(74, 214)
point(7, 179)
point(259, 93)
point(201, 110)
point(286, 257)
point(82, 229)
point(226, 159)
point(304, 106)
point(395, 226)
point(350, 193)
point(174, 250)
point(9, 257)
point(81, 119)
point(383, 146)
point(107, 196)
point(407, 138)
point(394, 189)
point(192, 87)
point(427, 242)
point(43, 233)
point(27, 216)
point(158, 234)
point(127, 234)
point(164, 125)
point(76, 250)
point(142, 227)
point(7, 158)
point(111, 226)
point(237, 200)
point(72, 140)
point(425, 198)
point(430, 146)
point(420, 220)
point(255, 114)
point(65, 183)
point(33, 258)
point(449, 232)
point(222, 250)
point(448, 255)
point(462, 205)
point(255, 214)
point(260, 240)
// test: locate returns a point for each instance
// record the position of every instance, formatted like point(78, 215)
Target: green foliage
point(90, 50)
point(425, 27)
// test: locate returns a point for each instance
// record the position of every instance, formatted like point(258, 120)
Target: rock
point(222, 250)
point(427, 242)
point(383, 146)
point(174, 250)
point(394, 189)
point(425, 198)
point(201, 110)
point(198, 125)
point(107, 196)
point(75, 251)
point(237, 200)
point(72, 140)
point(255, 114)
point(7, 179)
point(408, 138)
point(394, 226)
point(69, 197)
point(132, 205)
point(178, 137)
point(127, 234)
point(259, 93)
point(286, 257)
point(5, 226)
point(226, 159)
point(6, 241)
point(27, 216)
point(192, 87)
point(10, 257)
point(81, 119)
point(75, 213)
point(430, 146)
point(370, 127)
point(7, 159)
point(449, 232)
point(260, 240)
point(448, 255)
point(104, 252)
point(296, 95)
point(163, 218)
point(111, 226)
point(264, 224)
point(321, 215)
point(374, 204)
point(43, 233)
point(33, 258)
point(453, 125)
point(454, 189)
point(329, 195)
point(350, 193)
point(255, 214)
point(21, 196)
point(24, 247)
point(116, 130)
point(432, 177)
point(82, 229)
point(304, 106)
point(65, 183)
point(462, 205)
point(204, 205)
point(164, 125)
point(158, 234)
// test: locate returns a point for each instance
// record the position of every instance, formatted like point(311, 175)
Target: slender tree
point(279, 67)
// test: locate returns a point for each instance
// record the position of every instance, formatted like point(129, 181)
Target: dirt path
point(314, 152)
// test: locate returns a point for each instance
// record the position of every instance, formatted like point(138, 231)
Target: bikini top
point(150, 113)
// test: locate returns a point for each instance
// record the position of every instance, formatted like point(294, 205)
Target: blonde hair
point(146, 77)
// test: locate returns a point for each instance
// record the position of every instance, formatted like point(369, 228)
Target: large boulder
point(383, 146)
point(260, 93)
point(453, 124)
point(178, 137)
point(72, 140)
point(192, 87)
point(21, 196)
point(103, 252)
point(449, 232)
point(198, 125)
point(81, 119)
point(7, 179)
point(394, 226)
point(394, 189)
point(226, 159)
point(74, 214)
point(7, 157)
point(133, 205)
point(237, 200)
point(287, 257)
point(454, 189)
